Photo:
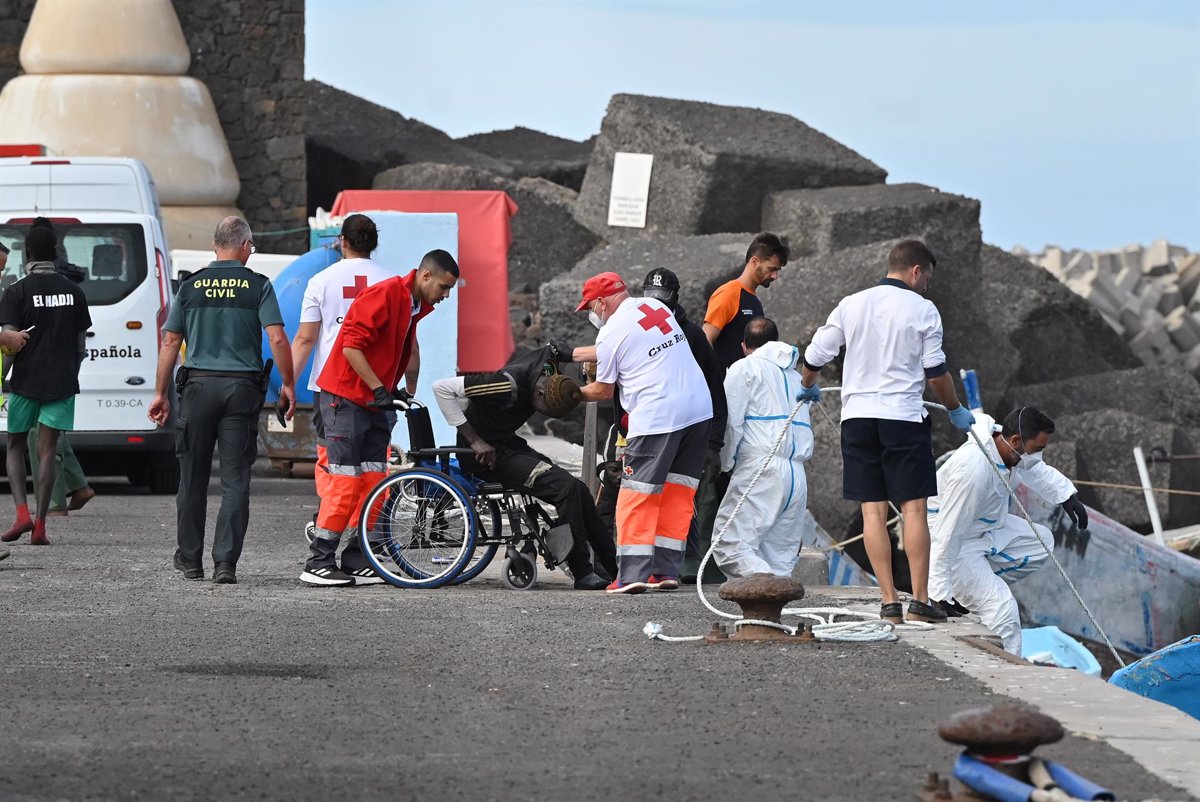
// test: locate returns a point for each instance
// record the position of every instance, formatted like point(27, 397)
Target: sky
point(1075, 122)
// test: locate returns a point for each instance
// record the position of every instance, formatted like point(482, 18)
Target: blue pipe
point(1077, 786)
point(970, 383)
point(979, 776)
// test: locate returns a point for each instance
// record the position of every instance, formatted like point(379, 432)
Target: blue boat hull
point(1170, 676)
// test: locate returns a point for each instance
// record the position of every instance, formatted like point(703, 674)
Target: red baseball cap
point(600, 286)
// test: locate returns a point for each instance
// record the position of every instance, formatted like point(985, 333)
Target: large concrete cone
point(168, 122)
point(137, 37)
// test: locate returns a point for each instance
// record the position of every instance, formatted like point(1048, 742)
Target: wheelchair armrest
point(432, 453)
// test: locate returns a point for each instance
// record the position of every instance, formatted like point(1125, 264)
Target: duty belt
point(253, 375)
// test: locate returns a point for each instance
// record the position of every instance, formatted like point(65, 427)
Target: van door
point(23, 186)
point(126, 301)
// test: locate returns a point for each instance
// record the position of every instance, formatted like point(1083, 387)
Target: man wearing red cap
point(642, 349)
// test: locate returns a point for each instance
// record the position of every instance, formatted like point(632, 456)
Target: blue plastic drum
point(289, 288)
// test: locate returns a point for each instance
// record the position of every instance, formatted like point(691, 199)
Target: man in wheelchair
point(489, 408)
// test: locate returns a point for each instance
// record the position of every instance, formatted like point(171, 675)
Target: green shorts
point(24, 413)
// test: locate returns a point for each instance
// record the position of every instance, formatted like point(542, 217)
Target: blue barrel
point(289, 289)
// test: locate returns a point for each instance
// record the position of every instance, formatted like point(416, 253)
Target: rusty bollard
point(761, 597)
point(1001, 737)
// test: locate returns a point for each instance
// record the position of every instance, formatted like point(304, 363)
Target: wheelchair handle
point(397, 405)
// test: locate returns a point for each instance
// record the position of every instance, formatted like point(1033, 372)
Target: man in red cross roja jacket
point(365, 366)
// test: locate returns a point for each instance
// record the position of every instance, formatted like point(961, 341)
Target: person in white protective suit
point(761, 391)
point(977, 548)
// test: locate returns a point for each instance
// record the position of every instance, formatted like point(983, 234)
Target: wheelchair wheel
point(487, 518)
point(419, 528)
point(519, 571)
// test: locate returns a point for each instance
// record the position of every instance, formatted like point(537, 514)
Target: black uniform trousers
point(220, 412)
point(521, 468)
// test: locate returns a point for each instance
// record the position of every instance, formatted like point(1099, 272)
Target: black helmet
point(663, 285)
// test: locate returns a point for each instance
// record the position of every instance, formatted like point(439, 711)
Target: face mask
point(595, 320)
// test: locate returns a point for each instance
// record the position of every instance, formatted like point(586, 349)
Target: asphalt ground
point(121, 680)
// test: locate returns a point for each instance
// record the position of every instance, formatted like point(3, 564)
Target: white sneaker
point(364, 576)
point(326, 577)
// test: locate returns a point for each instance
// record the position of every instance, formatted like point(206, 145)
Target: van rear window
point(111, 257)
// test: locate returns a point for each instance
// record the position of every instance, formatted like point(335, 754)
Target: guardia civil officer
point(220, 312)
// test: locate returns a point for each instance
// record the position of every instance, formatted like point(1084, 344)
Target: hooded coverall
point(765, 536)
point(976, 548)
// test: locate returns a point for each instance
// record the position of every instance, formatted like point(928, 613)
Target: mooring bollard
point(762, 597)
point(998, 762)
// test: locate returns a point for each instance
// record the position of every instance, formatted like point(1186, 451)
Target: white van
point(106, 214)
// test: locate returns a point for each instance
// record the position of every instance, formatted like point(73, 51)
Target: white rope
point(870, 629)
point(1029, 520)
point(864, 627)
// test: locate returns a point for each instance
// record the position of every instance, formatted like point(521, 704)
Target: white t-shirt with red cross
point(642, 349)
point(327, 298)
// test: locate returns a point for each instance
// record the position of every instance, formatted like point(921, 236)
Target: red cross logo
point(654, 317)
point(360, 284)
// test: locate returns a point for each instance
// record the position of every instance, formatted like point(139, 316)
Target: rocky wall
point(251, 56)
point(14, 18)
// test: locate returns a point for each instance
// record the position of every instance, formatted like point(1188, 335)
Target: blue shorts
point(887, 460)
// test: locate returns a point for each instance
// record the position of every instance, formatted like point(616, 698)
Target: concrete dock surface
point(124, 681)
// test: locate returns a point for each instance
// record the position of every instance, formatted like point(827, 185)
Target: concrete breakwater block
point(1043, 330)
point(1105, 415)
point(546, 239)
point(700, 262)
point(348, 140)
point(713, 165)
point(1103, 442)
point(824, 220)
point(1139, 292)
point(534, 154)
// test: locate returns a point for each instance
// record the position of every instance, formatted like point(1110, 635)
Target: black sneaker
point(224, 574)
point(189, 571)
point(951, 608)
point(592, 581)
point(930, 613)
point(893, 612)
point(330, 577)
point(363, 576)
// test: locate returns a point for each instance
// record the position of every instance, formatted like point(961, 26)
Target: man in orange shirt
point(733, 305)
point(735, 302)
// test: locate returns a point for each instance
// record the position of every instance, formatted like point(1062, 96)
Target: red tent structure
point(484, 333)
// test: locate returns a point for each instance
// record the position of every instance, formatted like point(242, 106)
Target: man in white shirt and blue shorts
point(893, 341)
point(642, 349)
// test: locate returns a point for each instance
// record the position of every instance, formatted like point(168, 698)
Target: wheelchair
point(430, 523)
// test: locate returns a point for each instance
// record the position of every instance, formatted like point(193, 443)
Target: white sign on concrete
point(630, 189)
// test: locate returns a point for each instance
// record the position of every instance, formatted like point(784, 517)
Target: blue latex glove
point(962, 418)
point(809, 393)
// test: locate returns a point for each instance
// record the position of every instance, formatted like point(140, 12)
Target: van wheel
point(164, 474)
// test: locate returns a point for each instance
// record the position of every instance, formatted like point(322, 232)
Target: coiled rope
point(865, 627)
point(862, 627)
